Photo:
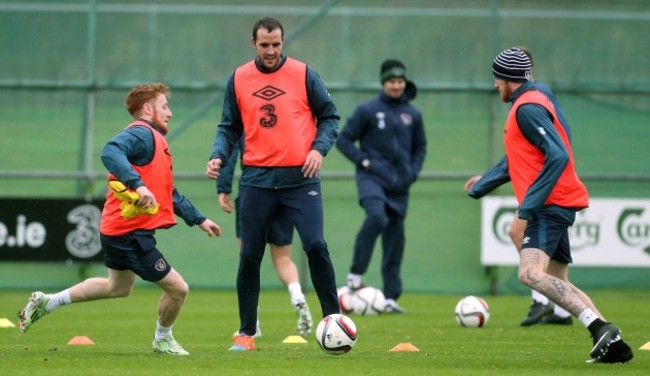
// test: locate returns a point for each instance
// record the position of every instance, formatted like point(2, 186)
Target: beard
point(159, 120)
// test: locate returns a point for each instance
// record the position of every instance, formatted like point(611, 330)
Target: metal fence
point(75, 54)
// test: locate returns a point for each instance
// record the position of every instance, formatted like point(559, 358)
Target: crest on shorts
point(161, 265)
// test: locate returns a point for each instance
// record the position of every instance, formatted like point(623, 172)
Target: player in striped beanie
point(539, 163)
point(513, 64)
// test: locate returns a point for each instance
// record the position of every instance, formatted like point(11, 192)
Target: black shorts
point(137, 253)
point(280, 233)
point(548, 231)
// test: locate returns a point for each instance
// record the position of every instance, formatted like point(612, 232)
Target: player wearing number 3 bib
point(290, 123)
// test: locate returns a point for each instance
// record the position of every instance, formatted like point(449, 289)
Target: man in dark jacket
point(388, 159)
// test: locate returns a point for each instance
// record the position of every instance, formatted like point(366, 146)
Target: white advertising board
point(612, 232)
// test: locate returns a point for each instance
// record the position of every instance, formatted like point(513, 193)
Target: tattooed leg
point(532, 272)
point(561, 271)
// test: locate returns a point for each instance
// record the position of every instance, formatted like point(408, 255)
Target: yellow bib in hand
point(129, 199)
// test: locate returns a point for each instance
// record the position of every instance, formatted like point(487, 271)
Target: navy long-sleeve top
point(231, 129)
point(532, 119)
point(390, 134)
point(136, 145)
point(227, 172)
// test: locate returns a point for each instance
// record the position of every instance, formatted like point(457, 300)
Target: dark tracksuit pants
point(384, 221)
point(304, 206)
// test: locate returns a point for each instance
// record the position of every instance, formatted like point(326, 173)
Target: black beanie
point(390, 69)
point(513, 64)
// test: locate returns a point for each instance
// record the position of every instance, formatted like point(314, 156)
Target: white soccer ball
point(472, 311)
point(336, 334)
point(368, 301)
point(345, 299)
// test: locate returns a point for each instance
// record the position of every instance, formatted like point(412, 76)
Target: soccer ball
point(336, 334)
point(368, 301)
point(345, 299)
point(472, 311)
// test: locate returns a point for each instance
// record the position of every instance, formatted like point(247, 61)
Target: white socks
point(561, 312)
point(539, 297)
point(587, 317)
point(354, 281)
point(295, 291)
point(57, 300)
point(162, 331)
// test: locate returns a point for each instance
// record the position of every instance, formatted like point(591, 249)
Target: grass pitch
point(122, 331)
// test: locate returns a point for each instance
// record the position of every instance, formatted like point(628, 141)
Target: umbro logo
point(312, 193)
point(268, 93)
point(526, 240)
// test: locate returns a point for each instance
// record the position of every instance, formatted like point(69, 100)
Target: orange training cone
point(404, 347)
point(80, 340)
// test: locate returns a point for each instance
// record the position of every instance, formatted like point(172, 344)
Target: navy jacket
point(390, 133)
point(227, 172)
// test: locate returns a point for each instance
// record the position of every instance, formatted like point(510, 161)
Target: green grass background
point(122, 331)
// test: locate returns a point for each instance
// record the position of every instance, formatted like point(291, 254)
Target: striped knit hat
point(513, 65)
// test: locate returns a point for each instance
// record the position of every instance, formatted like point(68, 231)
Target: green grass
point(122, 331)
